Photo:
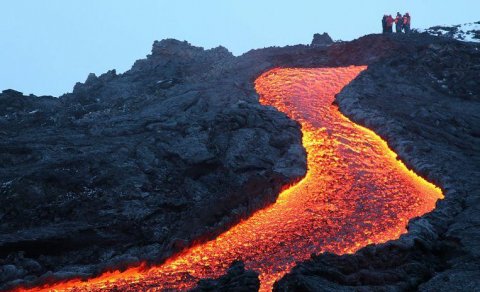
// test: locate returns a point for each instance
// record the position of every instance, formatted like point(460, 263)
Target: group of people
point(402, 23)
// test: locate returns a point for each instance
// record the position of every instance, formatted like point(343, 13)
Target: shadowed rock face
point(138, 165)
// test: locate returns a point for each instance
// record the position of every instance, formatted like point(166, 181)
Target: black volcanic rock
point(136, 166)
point(236, 279)
point(320, 40)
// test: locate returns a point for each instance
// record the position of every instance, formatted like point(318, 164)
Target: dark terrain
point(140, 165)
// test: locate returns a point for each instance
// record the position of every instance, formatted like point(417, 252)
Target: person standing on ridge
point(384, 23)
point(398, 23)
point(406, 22)
point(390, 22)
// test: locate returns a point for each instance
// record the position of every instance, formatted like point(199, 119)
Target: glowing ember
point(355, 193)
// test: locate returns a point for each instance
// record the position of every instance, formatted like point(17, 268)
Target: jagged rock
point(320, 40)
point(160, 155)
point(236, 279)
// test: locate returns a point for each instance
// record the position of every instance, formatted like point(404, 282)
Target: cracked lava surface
point(355, 193)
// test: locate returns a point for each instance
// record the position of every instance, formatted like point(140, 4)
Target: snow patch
point(467, 32)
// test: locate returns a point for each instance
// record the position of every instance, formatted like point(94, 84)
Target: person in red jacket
point(398, 23)
point(406, 22)
point(390, 22)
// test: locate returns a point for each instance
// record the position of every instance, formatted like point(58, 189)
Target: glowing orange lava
point(355, 193)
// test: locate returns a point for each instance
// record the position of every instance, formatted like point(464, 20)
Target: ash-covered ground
point(140, 165)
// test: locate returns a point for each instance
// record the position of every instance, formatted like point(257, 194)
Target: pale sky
point(46, 46)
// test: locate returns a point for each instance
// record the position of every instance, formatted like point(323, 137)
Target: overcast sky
point(46, 46)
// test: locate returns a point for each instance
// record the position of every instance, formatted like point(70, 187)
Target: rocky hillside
point(136, 166)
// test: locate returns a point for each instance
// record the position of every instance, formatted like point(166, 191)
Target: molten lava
point(355, 193)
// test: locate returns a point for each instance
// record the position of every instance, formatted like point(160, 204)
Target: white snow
point(465, 32)
point(468, 31)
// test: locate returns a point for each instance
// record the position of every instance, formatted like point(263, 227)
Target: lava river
point(355, 193)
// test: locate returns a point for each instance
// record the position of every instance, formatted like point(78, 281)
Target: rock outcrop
point(236, 279)
point(320, 40)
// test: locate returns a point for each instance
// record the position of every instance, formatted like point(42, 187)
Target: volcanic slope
point(376, 197)
point(136, 166)
point(421, 93)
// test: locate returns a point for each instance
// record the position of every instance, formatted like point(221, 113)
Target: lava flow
point(355, 193)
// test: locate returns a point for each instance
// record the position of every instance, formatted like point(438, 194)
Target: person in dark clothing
point(384, 23)
point(406, 22)
point(398, 23)
point(390, 22)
